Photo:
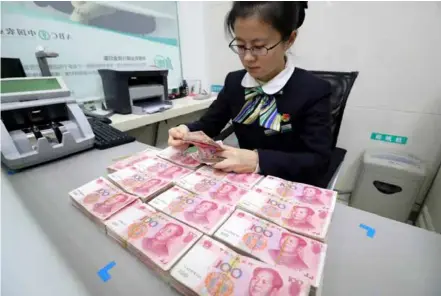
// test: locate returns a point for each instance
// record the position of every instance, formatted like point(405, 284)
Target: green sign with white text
point(389, 138)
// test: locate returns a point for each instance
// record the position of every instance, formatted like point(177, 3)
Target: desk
point(180, 107)
point(399, 260)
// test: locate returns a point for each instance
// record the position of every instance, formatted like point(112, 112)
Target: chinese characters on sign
point(389, 138)
point(41, 34)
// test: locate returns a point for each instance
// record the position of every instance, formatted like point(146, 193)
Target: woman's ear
point(291, 39)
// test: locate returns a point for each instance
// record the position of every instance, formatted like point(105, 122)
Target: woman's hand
point(175, 136)
point(237, 160)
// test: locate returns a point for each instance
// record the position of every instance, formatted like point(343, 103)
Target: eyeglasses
point(255, 50)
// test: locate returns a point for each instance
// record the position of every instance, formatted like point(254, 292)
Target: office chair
point(341, 83)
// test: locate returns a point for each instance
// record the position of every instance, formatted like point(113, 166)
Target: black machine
point(107, 136)
point(137, 92)
point(12, 68)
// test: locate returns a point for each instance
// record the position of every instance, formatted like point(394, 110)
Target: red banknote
point(203, 214)
point(306, 219)
point(100, 199)
point(302, 193)
point(140, 184)
point(220, 191)
point(211, 268)
point(275, 245)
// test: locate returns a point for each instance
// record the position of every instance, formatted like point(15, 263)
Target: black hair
point(284, 16)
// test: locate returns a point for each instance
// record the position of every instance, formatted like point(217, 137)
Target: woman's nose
point(248, 57)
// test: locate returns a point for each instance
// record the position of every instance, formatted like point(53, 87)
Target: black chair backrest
point(341, 83)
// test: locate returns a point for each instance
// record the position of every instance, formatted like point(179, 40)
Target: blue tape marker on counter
point(103, 272)
point(370, 232)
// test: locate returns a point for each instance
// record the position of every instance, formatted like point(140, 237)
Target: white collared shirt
point(277, 83)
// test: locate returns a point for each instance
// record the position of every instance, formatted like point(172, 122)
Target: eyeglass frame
point(251, 48)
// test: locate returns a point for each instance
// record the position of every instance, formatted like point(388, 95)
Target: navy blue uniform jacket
point(301, 154)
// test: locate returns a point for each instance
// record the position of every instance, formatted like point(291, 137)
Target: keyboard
point(107, 136)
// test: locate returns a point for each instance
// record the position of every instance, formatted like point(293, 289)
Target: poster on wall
point(87, 36)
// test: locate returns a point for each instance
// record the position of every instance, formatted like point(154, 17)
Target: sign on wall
point(389, 138)
point(120, 35)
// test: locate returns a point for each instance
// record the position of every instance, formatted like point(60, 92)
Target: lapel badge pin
point(285, 117)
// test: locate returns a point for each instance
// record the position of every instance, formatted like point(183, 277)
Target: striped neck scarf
point(260, 105)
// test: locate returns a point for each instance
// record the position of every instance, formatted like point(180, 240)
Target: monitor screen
point(12, 67)
point(29, 85)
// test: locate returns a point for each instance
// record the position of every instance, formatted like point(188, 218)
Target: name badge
point(283, 129)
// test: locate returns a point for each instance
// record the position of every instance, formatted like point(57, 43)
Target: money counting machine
point(40, 121)
point(137, 92)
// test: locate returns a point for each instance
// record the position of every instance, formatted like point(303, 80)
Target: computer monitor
point(12, 67)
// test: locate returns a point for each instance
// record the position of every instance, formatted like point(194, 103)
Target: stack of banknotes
point(274, 245)
point(306, 219)
point(211, 268)
point(206, 187)
point(156, 239)
point(100, 199)
point(116, 226)
point(145, 186)
point(246, 181)
point(131, 160)
point(207, 148)
point(161, 169)
point(204, 214)
point(299, 192)
point(179, 157)
point(149, 177)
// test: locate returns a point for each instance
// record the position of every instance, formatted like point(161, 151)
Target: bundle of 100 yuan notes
point(204, 214)
point(206, 187)
point(156, 239)
point(246, 181)
point(211, 268)
point(131, 160)
point(276, 246)
point(305, 219)
point(100, 199)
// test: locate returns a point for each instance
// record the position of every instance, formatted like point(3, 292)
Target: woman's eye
point(259, 48)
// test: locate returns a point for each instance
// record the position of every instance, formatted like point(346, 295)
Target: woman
point(281, 114)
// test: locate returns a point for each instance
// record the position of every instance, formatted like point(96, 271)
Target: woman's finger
point(175, 142)
point(224, 165)
point(224, 154)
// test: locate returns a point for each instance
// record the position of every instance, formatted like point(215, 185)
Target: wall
point(88, 36)
point(192, 38)
point(433, 203)
point(396, 48)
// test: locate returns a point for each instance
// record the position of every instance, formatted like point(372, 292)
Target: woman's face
point(166, 233)
point(202, 208)
point(299, 213)
point(289, 244)
point(253, 32)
